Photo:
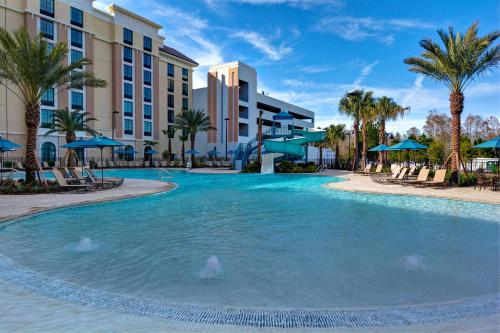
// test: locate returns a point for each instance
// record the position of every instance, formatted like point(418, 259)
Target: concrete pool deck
point(15, 205)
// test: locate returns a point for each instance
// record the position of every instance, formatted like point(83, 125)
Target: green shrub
point(469, 180)
point(252, 167)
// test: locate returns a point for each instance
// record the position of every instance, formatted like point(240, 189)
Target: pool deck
point(18, 205)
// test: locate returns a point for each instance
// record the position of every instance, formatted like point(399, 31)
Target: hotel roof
point(175, 53)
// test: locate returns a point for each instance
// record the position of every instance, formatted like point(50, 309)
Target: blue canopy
point(194, 152)
point(151, 152)
point(408, 145)
point(80, 143)
point(379, 148)
point(231, 152)
point(493, 143)
point(6, 145)
point(282, 115)
point(125, 151)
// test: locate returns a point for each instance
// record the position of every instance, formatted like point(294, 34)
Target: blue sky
point(310, 52)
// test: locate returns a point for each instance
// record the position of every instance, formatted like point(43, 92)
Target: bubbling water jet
point(85, 245)
point(212, 268)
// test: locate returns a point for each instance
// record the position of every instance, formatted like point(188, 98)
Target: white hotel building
point(232, 102)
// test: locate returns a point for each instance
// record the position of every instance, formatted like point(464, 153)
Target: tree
point(183, 137)
point(350, 105)
point(386, 109)
point(70, 122)
point(192, 122)
point(413, 133)
point(170, 133)
point(367, 116)
point(335, 134)
point(29, 65)
point(463, 59)
point(146, 143)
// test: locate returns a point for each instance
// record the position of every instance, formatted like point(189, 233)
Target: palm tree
point(170, 133)
point(183, 137)
point(150, 143)
point(386, 109)
point(350, 105)
point(192, 122)
point(70, 122)
point(367, 116)
point(259, 136)
point(335, 134)
point(463, 59)
point(29, 70)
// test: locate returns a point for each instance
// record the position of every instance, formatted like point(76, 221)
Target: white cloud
point(304, 4)
point(361, 28)
point(101, 5)
point(264, 45)
point(365, 71)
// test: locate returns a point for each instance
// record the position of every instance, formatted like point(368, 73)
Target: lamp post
point(113, 125)
point(226, 120)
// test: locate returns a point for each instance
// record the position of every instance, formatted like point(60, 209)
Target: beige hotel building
point(148, 82)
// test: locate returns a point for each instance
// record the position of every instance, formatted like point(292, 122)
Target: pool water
point(266, 241)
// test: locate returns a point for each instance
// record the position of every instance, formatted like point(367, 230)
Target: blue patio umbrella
point(96, 142)
point(407, 145)
point(125, 151)
point(491, 144)
point(6, 145)
point(152, 152)
point(379, 148)
point(192, 152)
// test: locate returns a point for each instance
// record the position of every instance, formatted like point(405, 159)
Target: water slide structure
point(294, 145)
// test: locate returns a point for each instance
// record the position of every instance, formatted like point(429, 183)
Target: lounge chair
point(366, 170)
point(19, 166)
point(111, 164)
point(382, 178)
point(89, 180)
point(61, 181)
point(421, 178)
point(45, 165)
point(94, 178)
point(147, 164)
point(399, 179)
point(437, 181)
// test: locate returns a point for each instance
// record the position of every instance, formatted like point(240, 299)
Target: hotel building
point(233, 104)
point(147, 81)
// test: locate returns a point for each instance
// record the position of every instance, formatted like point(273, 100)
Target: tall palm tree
point(367, 116)
point(463, 59)
point(259, 136)
point(183, 137)
point(386, 109)
point(29, 69)
point(192, 122)
point(170, 133)
point(350, 105)
point(70, 122)
point(335, 134)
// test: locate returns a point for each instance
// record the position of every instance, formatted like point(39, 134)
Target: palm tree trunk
point(183, 149)
point(337, 152)
point(456, 108)
point(192, 137)
point(32, 120)
point(320, 154)
point(356, 144)
point(72, 160)
point(364, 151)
point(169, 149)
point(381, 140)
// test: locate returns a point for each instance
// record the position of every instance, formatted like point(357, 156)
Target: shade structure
point(493, 143)
point(408, 145)
point(96, 142)
point(6, 145)
point(193, 152)
point(125, 151)
point(379, 148)
point(152, 152)
point(231, 152)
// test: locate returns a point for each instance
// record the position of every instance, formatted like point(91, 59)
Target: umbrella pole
point(102, 168)
point(1, 165)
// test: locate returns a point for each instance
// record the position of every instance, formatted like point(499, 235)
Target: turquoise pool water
point(266, 241)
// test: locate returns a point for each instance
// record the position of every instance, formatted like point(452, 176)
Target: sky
point(310, 52)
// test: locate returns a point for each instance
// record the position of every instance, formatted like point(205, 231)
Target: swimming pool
point(256, 244)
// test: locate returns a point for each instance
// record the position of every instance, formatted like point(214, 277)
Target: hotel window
point(76, 38)
point(170, 70)
point(147, 94)
point(47, 28)
point(47, 118)
point(185, 103)
point(127, 91)
point(47, 7)
point(76, 17)
point(171, 85)
point(171, 129)
point(76, 100)
point(147, 78)
point(185, 74)
point(127, 72)
point(147, 60)
point(147, 44)
point(50, 47)
point(147, 128)
point(128, 109)
point(185, 89)
point(147, 111)
point(170, 101)
point(48, 97)
point(76, 56)
point(48, 152)
point(128, 36)
point(129, 126)
point(127, 54)
point(171, 116)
